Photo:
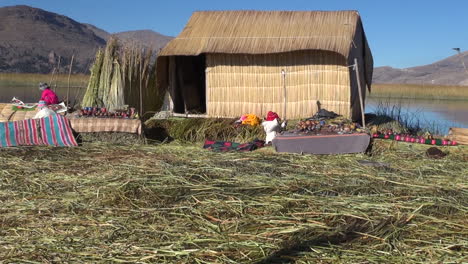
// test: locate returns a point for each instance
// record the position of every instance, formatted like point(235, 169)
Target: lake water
point(33, 94)
point(433, 114)
point(440, 115)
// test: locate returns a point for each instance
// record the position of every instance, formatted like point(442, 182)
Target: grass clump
point(389, 116)
point(112, 138)
point(199, 129)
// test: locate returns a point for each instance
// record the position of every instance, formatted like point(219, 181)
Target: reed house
point(229, 63)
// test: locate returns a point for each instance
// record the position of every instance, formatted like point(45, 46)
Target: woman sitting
point(48, 96)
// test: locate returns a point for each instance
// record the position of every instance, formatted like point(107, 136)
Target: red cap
point(271, 116)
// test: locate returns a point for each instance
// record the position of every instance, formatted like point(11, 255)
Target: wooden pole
point(283, 72)
point(141, 93)
point(58, 72)
point(172, 81)
point(52, 76)
point(69, 73)
point(358, 79)
point(207, 91)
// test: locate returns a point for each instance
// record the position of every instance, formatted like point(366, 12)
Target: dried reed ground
point(178, 203)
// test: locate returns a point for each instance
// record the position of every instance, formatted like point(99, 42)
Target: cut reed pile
point(178, 203)
point(119, 138)
point(124, 75)
point(199, 129)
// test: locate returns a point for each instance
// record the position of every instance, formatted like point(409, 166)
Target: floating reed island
point(179, 203)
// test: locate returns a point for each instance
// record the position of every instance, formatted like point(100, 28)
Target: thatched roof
point(261, 32)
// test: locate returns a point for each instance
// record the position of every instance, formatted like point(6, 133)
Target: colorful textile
point(52, 131)
point(420, 140)
point(250, 119)
point(49, 97)
point(225, 146)
point(91, 124)
point(271, 116)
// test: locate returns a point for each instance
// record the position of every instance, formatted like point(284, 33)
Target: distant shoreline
point(33, 79)
point(393, 91)
point(419, 91)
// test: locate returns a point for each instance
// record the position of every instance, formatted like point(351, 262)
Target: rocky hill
point(146, 38)
point(449, 71)
point(34, 40)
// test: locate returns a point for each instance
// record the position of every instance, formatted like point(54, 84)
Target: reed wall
point(239, 84)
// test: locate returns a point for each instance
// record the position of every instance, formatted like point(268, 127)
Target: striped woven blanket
point(54, 130)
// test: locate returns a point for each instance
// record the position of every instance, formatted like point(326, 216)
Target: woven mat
point(90, 124)
point(7, 113)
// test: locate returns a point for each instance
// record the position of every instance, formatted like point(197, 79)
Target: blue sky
point(400, 33)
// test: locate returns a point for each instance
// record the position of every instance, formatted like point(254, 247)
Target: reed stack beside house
point(124, 75)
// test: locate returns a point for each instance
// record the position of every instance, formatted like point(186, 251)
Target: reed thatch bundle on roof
point(242, 55)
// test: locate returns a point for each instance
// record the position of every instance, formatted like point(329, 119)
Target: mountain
point(146, 38)
point(34, 40)
point(449, 71)
point(98, 32)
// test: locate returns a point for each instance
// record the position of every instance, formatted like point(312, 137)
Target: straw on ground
point(178, 203)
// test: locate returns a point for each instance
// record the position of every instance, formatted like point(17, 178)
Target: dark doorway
point(188, 86)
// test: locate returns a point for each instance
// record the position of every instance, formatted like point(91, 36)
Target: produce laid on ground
point(424, 139)
point(103, 112)
point(340, 126)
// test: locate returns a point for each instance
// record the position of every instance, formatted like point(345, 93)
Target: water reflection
point(441, 114)
point(33, 94)
point(438, 114)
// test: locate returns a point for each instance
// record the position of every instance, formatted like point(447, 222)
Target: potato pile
point(103, 112)
point(321, 126)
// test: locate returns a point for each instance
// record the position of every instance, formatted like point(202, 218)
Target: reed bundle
point(179, 203)
point(115, 98)
point(124, 75)
point(459, 134)
point(91, 96)
point(105, 78)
